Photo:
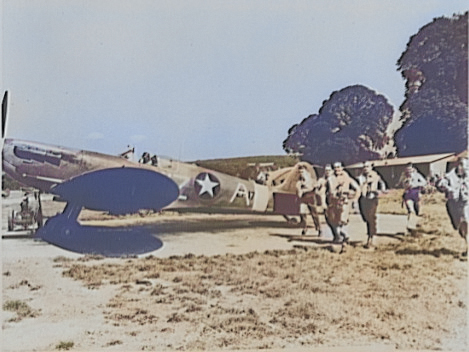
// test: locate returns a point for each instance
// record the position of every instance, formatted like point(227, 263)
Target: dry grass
point(391, 203)
point(412, 294)
point(64, 345)
point(22, 310)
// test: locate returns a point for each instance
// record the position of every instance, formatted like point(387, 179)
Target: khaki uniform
point(321, 197)
point(339, 192)
point(412, 182)
point(306, 191)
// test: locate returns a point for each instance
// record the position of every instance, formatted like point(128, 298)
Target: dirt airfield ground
point(231, 282)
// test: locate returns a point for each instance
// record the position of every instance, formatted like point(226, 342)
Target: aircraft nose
point(8, 144)
point(8, 156)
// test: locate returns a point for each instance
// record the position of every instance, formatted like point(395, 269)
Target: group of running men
point(336, 191)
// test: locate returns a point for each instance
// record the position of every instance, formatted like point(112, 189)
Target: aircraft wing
point(119, 190)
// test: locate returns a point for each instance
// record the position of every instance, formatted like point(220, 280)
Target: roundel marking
point(206, 185)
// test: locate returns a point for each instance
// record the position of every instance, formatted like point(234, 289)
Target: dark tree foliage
point(350, 127)
point(435, 111)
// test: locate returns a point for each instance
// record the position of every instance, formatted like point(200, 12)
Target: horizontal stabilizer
point(119, 190)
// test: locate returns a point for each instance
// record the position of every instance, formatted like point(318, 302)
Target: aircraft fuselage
point(44, 166)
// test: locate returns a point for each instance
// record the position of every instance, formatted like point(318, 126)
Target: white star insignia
point(207, 185)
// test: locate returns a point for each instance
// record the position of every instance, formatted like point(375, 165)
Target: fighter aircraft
point(96, 181)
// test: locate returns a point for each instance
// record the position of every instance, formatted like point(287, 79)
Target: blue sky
point(195, 79)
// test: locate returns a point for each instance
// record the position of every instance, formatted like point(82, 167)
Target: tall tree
point(350, 127)
point(435, 111)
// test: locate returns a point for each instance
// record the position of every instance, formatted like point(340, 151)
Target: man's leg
point(343, 233)
point(417, 207)
point(412, 216)
point(463, 234)
point(315, 217)
point(303, 223)
point(332, 221)
point(463, 226)
point(453, 213)
point(335, 229)
point(344, 217)
point(372, 206)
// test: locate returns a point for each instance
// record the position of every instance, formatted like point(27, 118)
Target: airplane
point(96, 181)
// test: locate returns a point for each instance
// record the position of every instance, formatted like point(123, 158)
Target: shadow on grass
point(315, 239)
point(434, 252)
point(397, 236)
point(183, 226)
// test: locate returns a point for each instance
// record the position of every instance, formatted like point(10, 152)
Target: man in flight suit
point(370, 183)
point(455, 184)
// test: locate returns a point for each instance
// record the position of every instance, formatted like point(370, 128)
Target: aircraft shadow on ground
point(98, 240)
point(112, 241)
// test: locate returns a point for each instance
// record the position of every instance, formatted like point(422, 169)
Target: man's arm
point(381, 184)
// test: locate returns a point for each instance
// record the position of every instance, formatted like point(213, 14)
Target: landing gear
point(64, 231)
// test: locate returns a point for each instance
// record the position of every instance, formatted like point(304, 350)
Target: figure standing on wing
point(370, 183)
point(455, 184)
point(145, 158)
point(341, 188)
point(413, 182)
